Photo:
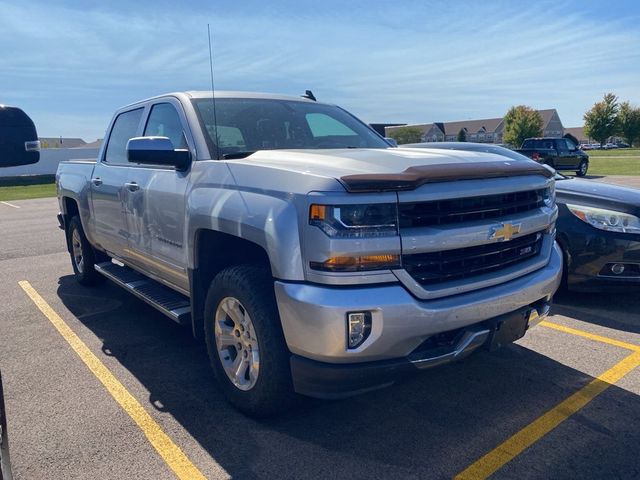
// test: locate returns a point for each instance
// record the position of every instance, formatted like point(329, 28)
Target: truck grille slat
point(436, 267)
point(459, 210)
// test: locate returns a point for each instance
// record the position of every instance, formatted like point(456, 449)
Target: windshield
point(245, 125)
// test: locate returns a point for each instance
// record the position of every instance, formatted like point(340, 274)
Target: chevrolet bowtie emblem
point(505, 231)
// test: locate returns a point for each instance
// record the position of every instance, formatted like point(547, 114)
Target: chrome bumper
point(314, 317)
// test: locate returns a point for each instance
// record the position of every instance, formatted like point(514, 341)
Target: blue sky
point(71, 64)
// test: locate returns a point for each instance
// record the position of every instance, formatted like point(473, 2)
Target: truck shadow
point(620, 311)
point(430, 426)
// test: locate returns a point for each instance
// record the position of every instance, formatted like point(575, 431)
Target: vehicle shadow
point(620, 311)
point(430, 426)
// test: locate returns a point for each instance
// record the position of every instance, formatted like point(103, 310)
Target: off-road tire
point(85, 272)
point(252, 286)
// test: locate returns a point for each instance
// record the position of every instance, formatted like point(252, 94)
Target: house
point(579, 135)
point(489, 130)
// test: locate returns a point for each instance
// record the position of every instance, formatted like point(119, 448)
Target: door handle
point(132, 186)
point(97, 181)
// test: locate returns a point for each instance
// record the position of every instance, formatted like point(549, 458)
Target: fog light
point(617, 268)
point(358, 328)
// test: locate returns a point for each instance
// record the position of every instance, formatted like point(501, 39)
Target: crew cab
point(559, 153)
point(310, 256)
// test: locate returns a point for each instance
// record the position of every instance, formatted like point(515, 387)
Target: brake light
point(535, 156)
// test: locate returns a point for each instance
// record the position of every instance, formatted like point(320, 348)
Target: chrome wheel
point(76, 248)
point(236, 343)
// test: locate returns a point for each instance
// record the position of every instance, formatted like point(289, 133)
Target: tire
point(247, 292)
point(582, 168)
point(83, 256)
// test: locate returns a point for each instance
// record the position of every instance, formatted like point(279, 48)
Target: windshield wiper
point(233, 155)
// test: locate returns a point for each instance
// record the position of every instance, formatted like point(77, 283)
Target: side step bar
point(175, 306)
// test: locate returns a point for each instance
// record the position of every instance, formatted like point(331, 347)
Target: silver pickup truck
point(311, 256)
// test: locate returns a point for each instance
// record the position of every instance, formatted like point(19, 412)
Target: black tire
point(252, 286)
point(83, 267)
point(582, 168)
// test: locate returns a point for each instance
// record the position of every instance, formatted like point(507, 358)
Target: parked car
point(610, 146)
point(558, 153)
point(5, 463)
point(310, 255)
point(598, 226)
point(622, 145)
point(19, 144)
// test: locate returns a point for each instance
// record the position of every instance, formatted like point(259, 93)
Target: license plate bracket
point(509, 328)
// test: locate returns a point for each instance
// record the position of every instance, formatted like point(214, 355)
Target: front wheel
point(245, 342)
point(83, 256)
point(582, 168)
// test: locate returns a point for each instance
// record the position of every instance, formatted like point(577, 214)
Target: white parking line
point(10, 204)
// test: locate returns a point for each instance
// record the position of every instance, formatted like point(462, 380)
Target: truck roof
point(224, 94)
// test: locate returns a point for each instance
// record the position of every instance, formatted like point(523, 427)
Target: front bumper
point(314, 316)
point(331, 381)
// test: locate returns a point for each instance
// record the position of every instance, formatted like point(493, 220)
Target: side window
point(562, 145)
point(322, 125)
point(124, 128)
point(570, 144)
point(164, 122)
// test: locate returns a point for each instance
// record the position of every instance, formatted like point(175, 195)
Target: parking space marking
point(169, 451)
point(10, 204)
point(514, 446)
point(591, 336)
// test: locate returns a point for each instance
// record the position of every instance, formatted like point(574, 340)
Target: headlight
point(549, 195)
point(355, 221)
point(609, 220)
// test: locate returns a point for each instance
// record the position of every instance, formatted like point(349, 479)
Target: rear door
point(566, 158)
point(108, 184)
point(156, 206)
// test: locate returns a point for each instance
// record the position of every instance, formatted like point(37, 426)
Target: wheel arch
point(213, 252)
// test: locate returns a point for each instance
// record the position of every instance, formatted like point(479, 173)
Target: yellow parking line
point(533, 432)
point(169, 451)
point(591, 336)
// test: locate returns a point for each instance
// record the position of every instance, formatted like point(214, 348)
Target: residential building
point(489, 130)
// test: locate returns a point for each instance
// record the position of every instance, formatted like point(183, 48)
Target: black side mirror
point(19, 143)
point(157, 151)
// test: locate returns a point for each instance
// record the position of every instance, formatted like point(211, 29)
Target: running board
point(175, 306)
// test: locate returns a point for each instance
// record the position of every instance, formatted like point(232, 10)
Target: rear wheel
point(245, 342)
point(83, 256)
point(582, 168)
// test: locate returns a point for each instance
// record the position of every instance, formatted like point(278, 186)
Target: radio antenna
point(213, 95)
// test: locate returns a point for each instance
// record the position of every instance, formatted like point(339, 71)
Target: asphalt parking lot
point(561, 403)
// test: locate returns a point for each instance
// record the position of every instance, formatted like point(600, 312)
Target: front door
point(156, 205)
point(108, 185)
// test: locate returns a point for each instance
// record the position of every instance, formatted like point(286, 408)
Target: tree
point(462, 135)
point(629, 122)
point(406, 135)
point(521, 122)
point(601, 121)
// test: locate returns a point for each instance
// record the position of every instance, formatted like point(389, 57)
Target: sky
point(71, 64)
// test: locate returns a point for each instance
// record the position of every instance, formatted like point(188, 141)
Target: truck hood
point(390, 169)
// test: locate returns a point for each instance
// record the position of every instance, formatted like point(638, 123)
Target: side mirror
point(391, 141)
point(157, 151)
point(19, 143)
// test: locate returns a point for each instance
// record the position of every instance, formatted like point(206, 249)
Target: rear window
point(537, 143)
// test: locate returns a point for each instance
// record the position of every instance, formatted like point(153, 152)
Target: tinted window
point(124, 128)
point(165, 122)
point(250, 124)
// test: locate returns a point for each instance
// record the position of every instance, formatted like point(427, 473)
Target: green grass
point(618, 161)
point(615, 152)
point(25, 187)
point(25, 192)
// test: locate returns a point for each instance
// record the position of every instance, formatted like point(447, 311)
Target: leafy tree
point(601, 121)
point(462, 135)
point(521, 122)
point(629, 122)
point(406, 135)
